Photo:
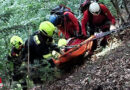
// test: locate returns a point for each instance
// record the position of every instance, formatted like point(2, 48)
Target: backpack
point(59, 10)
point(84, 6)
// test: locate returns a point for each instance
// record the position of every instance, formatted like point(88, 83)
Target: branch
point(115, 4)
point(16, 27)
point(5, 16)
point(125, 4)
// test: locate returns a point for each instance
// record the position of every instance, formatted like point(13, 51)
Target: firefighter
point(38, 49)
point(40, 44)
point(14, 57)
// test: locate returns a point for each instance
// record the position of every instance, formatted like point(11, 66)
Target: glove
point(112, 27)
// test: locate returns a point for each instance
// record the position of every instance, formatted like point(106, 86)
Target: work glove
point(112, 27)
point(46, 56)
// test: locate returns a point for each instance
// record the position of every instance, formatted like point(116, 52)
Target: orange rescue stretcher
point(75, 52)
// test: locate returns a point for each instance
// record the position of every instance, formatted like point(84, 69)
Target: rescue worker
point(38, 48)
point(17, 46)
point(97, 18)
point(40, 43)
point(66, 22)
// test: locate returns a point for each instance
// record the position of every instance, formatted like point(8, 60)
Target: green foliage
point(110, 6)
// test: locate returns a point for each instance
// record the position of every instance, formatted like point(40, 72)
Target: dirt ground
point(108, 72)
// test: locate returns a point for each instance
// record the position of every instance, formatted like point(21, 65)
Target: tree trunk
point(125, 5)
point(115, 4)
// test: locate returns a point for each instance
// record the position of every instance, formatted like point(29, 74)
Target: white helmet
point(94, 8)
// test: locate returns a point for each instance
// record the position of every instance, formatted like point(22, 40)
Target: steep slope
point(109, 71)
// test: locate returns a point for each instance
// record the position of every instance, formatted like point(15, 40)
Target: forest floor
point(109, 71)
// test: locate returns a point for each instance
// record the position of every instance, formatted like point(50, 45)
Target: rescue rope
point(97, 36)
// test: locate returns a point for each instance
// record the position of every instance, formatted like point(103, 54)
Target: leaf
point(1, 66)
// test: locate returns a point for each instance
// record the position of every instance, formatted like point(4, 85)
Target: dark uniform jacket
point(38, 45)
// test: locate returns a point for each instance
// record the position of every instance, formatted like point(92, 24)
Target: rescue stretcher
point(76, 52)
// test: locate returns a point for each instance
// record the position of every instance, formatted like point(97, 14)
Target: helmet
point(16, 41)
point(62, 42)
point(94, 8)
point(55, 19)
point(47, 27)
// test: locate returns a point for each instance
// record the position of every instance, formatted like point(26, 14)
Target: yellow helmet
point(62, 42)
point(47, 27)
point(16, 41)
